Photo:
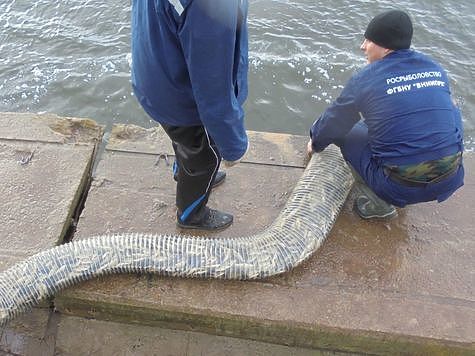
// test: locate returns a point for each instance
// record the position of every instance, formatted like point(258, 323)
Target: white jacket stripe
point(177, 5)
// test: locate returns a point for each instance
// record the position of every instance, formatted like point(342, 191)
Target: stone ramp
point(45, 165)
point(406, 286)
point(402, 286)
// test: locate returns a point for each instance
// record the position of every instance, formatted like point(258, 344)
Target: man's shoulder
point(397, 61)
point(368, 72)
point(416, 57)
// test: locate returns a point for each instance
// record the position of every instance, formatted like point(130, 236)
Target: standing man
point(395, 123)
point(189, 73)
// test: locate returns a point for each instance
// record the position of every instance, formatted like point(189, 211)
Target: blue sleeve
point(209, 40)
point(337, 120)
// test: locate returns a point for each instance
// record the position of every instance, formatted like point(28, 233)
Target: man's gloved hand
point(228, 164)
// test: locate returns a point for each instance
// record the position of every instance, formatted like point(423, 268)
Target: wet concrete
point(133, 191)
point(45, 163)
point(46, 333)
point(33, 333)
point(373, 287)
point(404, 286)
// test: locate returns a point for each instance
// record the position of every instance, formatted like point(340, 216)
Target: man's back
point(405, 101)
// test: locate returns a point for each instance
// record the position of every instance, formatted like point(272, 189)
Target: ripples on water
point(73, 57)
point(67, 57)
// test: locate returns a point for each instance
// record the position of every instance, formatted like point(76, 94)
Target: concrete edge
point(82, 191)
point(94, 135)
point(50, 128)
point(79, 198)
point(277, 332)
point(285, 149)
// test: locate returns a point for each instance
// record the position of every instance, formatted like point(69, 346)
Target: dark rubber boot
point(369, 209)
point(210, 220)
point(218, 179)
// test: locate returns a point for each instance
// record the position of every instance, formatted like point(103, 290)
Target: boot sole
point(203, 228)
point(387, 216)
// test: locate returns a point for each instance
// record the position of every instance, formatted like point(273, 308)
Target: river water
point(72, 57)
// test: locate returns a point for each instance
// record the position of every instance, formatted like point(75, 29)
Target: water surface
point(72, 57)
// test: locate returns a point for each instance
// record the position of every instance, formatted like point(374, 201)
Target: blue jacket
point(405, 101)
point(189, 66)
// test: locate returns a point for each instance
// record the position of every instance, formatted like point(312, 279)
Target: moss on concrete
point(282, 333)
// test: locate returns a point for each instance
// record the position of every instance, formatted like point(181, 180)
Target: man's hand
point(309, 147)
point(228, 164)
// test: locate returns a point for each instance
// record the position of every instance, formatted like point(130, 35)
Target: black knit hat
point(391, 29)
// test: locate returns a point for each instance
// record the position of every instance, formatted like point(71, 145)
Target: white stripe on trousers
point(217, 160)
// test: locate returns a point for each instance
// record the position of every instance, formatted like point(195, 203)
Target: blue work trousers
point(356, 150)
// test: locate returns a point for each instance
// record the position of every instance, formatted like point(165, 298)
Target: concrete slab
point(403, 286)
point(110, 338)
point(43, 332)
point(33, 333)
point(131, 194)
point(141, 186)
point(265, 147)
point(48, 128)
point(45, 162)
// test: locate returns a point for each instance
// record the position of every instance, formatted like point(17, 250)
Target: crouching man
point(395, 123)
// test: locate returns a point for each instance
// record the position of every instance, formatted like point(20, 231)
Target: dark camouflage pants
point(427, 171)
